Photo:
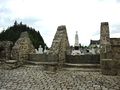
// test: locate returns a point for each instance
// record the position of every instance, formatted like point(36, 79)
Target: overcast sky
point(83, 16)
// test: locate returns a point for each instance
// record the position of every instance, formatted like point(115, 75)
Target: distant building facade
point(94, 47)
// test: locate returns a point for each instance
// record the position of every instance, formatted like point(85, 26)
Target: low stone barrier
point(83, 59)
point(10, 64)
point(42, 57)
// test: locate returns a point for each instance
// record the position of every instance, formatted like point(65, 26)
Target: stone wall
point(115, 45)
point(42, 57)
point(83, 59)
point(5, 49)
point(48, 61)
point(23, 46)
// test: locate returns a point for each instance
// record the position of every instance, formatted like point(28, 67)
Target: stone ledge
point(106, 59)
point(82, 64)
point(83, 69)
point(46, 63)
point(89, 66)
point(11, 61)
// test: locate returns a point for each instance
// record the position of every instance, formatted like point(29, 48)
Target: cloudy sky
point(83, 16)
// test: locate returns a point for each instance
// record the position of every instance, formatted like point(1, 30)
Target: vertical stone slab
point(105, 41)
point(23, 46)
point(107, 63)
point(60, 45)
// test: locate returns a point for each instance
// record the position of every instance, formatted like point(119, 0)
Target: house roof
point(94, 42)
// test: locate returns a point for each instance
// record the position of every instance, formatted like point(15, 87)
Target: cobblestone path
point(33, 78)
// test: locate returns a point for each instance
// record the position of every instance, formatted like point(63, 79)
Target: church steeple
point(76, 39)
point(76, 50)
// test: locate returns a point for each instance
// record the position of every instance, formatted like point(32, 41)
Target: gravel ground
point(34, 78)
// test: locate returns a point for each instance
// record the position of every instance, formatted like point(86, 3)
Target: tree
point(21, 23)
point(15, 23)
point(12, 33)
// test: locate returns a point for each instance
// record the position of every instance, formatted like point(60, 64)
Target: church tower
point(76, 39)
point(76, 50)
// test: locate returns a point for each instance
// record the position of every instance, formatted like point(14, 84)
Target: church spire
point(76, 50)
point(76, 39)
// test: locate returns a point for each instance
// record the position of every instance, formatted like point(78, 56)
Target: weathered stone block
point(51, 68)
point(108, 67)
point(10, 64)
point(60, 44)
point(23, 46)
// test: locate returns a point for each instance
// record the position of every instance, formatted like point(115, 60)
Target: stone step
point(69, 65)
point(83, 69)
point(39, 63)
point(11, 61)
point(27, 65)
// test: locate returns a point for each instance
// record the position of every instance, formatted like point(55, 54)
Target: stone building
point(94, 47)
point(110, 51)
point(23, 46)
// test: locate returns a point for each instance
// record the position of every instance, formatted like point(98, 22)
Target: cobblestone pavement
point(33, 78)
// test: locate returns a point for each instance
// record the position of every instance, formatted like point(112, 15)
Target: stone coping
point(11, 61)
point(70, 64)
point(115, 45)
point(106, 59)
point(47, 63)
point(83, 69)
point(8, 61)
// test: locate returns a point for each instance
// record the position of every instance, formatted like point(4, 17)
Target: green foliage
point(84, 47)
point(12, 33)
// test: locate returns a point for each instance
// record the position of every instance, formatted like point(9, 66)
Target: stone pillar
point(105, 41)
point(23, 46)
point(60, 44)
point(107, 64)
